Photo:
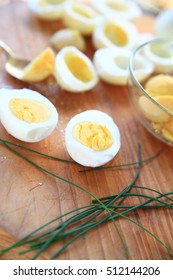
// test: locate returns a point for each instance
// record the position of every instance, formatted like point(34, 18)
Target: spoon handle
point(5, 48)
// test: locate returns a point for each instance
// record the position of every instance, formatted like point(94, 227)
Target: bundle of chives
point(90, 216)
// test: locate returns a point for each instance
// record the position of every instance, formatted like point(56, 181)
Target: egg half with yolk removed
point(161, 55)
point(74, 71)
point(116, 33)
point(48, 9)
point(81, 16)
point(26, 114)
point(92, 138)
point(117, 8)
point(112, 66)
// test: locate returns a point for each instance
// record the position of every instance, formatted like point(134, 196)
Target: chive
point(122, 165)
point(87, 215)
point(6, 144)
point(119, 195)
point(94, 225)
point(36, 152)
point(105, 220)
point(105, 198)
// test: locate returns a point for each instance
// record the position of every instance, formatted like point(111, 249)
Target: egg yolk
point(78, 67)
point(116, 34)
point(81, 12)
point(41, 66)
point(43, 3)
point(160, 85)
point(117, 6)
point(93, 135)
point(30, 111)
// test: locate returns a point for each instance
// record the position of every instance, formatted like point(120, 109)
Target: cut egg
point(163, 26)
point(40, 68)
point(47, 9)
point(81, 16)
point(26, 114)
point(74, 71)
point(143, 38)
point(92, 138)
point(161, 54)
point(112, 66)
point(117, 8)
point(35, 71)
point(116, 33)
point(68, 37)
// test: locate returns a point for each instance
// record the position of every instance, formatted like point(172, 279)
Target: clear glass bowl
point(152, 98)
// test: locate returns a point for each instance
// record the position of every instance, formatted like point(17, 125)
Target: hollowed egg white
point(48, 9)
point(74, 71)
point(112, 66)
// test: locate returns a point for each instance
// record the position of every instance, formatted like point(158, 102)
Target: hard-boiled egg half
point(120, 34)
point(161, 54)
point(92, 138)
point(81, 16)
point(68, 37)
point(118, 8)
point(112, 66)
point(163, 26)
point(35, 71)
point(26, 114)
point(47, 9)
point(74, 71)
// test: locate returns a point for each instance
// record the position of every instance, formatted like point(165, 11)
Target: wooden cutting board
point(30, 198)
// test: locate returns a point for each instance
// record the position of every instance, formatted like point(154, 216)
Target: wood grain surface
point(29, 198)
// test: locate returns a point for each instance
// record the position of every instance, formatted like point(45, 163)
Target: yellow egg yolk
point(78, 67)
point(43, 3)
point(160, 85)
point(81, 12)
point(116, 34)
point(30, 111)
point(117, 6)
point(93, 135)
point(40, 67)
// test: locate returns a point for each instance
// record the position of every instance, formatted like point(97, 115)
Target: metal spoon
point(14, 66)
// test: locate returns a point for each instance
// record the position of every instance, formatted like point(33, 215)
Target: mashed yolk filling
point(30, 111)
point(116, 34)
point(93, 135)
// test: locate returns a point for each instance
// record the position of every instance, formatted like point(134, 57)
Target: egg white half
point(85, 155)
point(161, 55)
point(20, 129)
point(65, 76)
point(117, 8)
point(47, 10)
point(81, 16)
point(163, 26)
point(106, 34)
point(112, 66)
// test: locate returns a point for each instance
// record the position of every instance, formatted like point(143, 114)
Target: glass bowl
point(152, 97)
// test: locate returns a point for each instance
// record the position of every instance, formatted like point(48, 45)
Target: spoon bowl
point(14, 65)
point(35, 70)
